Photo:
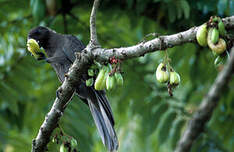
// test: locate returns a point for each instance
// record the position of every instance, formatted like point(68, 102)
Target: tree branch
point(204, 113)
point(65, 92)
point(93, 32)
point(90, 53)
point(160, 43)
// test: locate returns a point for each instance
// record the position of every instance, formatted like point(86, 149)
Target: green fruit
point(99, 80)
point(109, 67)
point(218, 48)
point(214, 36)
point(221, 28)
point(62, 148)
point(162, 76)
point(160, 66)
point(90, 72)
point(99, 65)
point(89, 82)
point(161, 73)
point(215, 19)
point(110, 82)
point(201, 35)
point(174, 78)
point(103, 85)
point(33, 46)
point(119, 78)
point(73, 143)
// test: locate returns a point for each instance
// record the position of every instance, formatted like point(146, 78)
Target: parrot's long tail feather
point(104, 121)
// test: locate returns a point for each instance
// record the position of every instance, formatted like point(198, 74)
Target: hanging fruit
point(101, 79)
point(119, 78)
point(214, 35)
point(89, 82)
point(201, 35)
point(218, 48)
point(110, 82)
point(174, 78)
point(91, 72)
point(162, 75)
point(221, 28)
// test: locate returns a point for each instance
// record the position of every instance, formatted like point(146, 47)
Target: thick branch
point(204, 113)
point(93, 32)
point(160, 43)
point(65, 93)
point(66, 90)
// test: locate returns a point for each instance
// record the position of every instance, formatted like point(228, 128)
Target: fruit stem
point(167, 61)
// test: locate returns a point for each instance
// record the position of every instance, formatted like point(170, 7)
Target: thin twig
point(93, 32)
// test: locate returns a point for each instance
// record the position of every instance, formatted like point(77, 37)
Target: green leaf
point(171, 13)
point(186, 8)
point(175, 132)
point(130, 3)
point(38, 10)
point(160, 109)
point(165, 125)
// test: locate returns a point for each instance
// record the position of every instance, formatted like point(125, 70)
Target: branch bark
point(94, 51)
point(160, 43)
point(65, 92)
point(204, 113)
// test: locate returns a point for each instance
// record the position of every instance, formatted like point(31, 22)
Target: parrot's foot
point(41, 56)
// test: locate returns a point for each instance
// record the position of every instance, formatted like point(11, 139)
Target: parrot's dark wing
point(97, 101)
point(102, 114)
point(71, 46)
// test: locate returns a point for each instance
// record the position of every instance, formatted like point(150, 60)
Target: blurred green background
point(147, 119)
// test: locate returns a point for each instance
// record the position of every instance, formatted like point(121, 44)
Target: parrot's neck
point(53, 43)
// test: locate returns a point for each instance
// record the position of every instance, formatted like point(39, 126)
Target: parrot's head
point(40, 34)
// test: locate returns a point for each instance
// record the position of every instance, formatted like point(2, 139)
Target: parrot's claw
point(41, 56)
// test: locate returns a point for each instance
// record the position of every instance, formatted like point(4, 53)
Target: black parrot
point(60, 50)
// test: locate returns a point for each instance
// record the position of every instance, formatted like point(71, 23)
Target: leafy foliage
point(147, 119)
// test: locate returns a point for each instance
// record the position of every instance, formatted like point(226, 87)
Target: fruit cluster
point(67, 143)
point(107, 77)
point(164, 75)
point(212, 34)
